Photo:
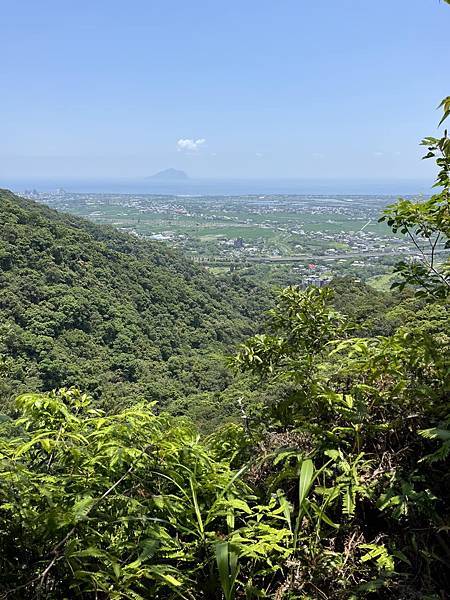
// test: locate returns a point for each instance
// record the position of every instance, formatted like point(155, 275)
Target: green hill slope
point(83, 304)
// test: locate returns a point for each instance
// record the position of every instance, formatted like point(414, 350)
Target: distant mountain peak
point(169, 175)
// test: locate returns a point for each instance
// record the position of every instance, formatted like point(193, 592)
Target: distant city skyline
point(253, 90)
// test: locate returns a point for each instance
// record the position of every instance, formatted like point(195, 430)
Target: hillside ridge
point(88, 305)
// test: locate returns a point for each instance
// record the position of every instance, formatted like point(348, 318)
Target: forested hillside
point(126, 320)
point(332, 481)
point(120, 318)
point(261, 412)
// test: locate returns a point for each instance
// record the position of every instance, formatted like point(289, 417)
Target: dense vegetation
point(334, 485)
point(120, 318)
point(127, 320)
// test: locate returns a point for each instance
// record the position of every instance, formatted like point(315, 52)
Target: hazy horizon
point(223, 187)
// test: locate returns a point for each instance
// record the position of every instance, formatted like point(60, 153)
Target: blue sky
point(253, 88)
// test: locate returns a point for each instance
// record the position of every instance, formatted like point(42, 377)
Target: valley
point(317, 236)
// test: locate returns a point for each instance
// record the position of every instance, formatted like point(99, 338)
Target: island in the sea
point(169, 175)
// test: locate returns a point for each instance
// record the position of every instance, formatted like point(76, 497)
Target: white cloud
point(189, 145)
point(259, 154)
point(378, 154)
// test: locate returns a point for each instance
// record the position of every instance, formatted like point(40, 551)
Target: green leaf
point(81, 508)
point(227, 564)
point(306, 480)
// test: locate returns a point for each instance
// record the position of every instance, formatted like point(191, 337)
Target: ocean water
point(219, 187)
